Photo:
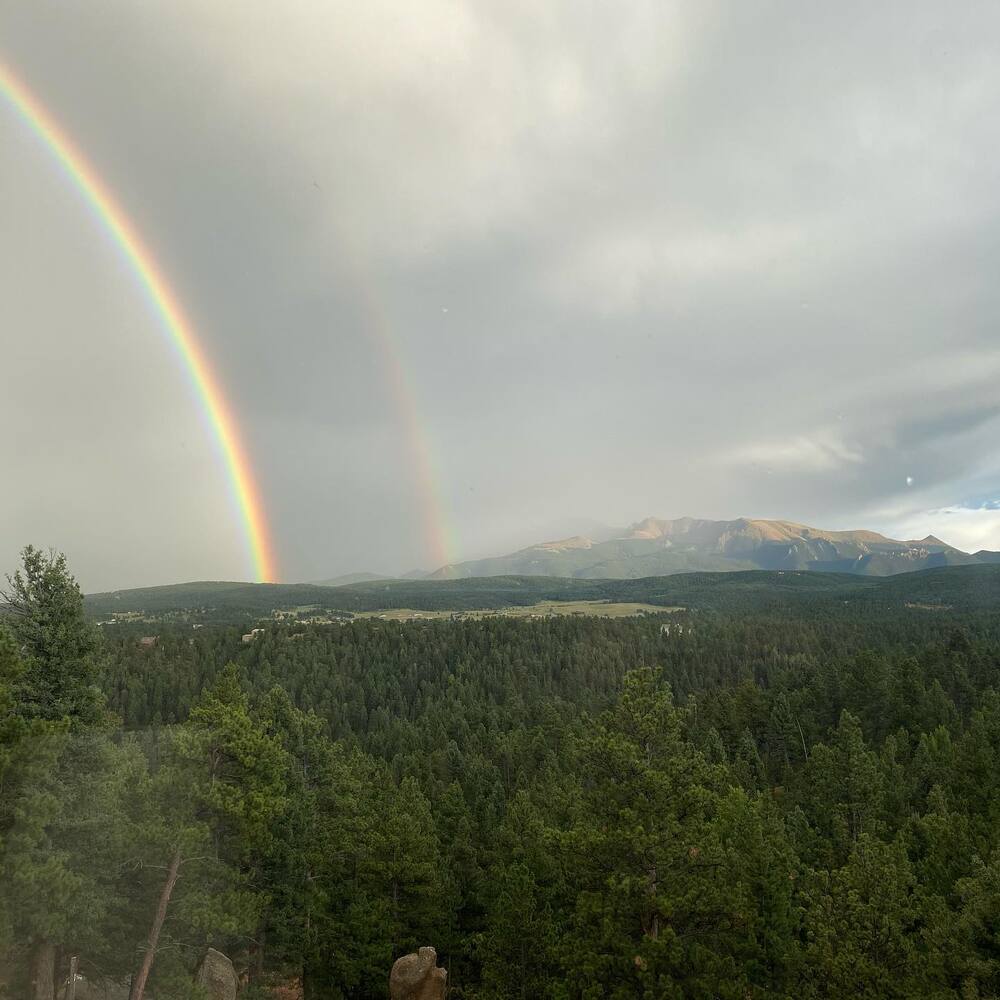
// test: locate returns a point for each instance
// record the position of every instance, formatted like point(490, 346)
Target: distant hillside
point(349, 578)
point(973, 587)
point(212, 600)
point(656, 547)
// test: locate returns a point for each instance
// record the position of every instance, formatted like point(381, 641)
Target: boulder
point(417, 977)
point(216, 976)
point(98, 990)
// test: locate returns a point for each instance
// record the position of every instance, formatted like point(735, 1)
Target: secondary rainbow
point(439, 538)
point(213, 402)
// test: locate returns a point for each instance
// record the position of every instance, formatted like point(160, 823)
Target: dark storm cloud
point(635, 259)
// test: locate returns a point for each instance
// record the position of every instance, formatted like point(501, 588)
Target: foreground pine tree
point(58, 802)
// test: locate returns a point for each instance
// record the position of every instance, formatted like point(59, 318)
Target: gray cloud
point(657, 258)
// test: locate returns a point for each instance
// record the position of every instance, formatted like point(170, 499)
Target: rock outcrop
point(86, 990)
point(217, 976)
point(417, 977)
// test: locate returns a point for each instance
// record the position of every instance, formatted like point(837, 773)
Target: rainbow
point(439, 539)
point(440, 542)
point(216, 410)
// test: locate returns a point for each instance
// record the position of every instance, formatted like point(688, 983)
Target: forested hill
point(795, 796)
point(802, 778)
point(957, 587)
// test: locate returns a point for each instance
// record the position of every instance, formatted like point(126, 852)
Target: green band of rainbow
point(213, 402)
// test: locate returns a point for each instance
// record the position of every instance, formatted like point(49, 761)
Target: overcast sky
point(633, 258)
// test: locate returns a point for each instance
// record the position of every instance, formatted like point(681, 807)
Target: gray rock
point(217, 976)
point(417, 977)
point(99, 990)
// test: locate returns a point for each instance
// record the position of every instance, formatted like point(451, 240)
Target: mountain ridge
point(657, 546)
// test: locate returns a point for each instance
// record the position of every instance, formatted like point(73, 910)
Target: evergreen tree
point(653, 915)
point(860, 928)
point(60, 647)
point(59, 800)
point(218, 800)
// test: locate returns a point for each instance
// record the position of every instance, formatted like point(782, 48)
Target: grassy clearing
point(544, 609)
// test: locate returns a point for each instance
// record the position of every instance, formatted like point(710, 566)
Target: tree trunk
point(43, 970)
point(74, 964)
point(310, 981)
point(802, 737)
point(255, 971)
point(652, 879)
point(139, 983)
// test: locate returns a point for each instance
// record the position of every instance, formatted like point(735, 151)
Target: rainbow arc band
point(116, 222)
